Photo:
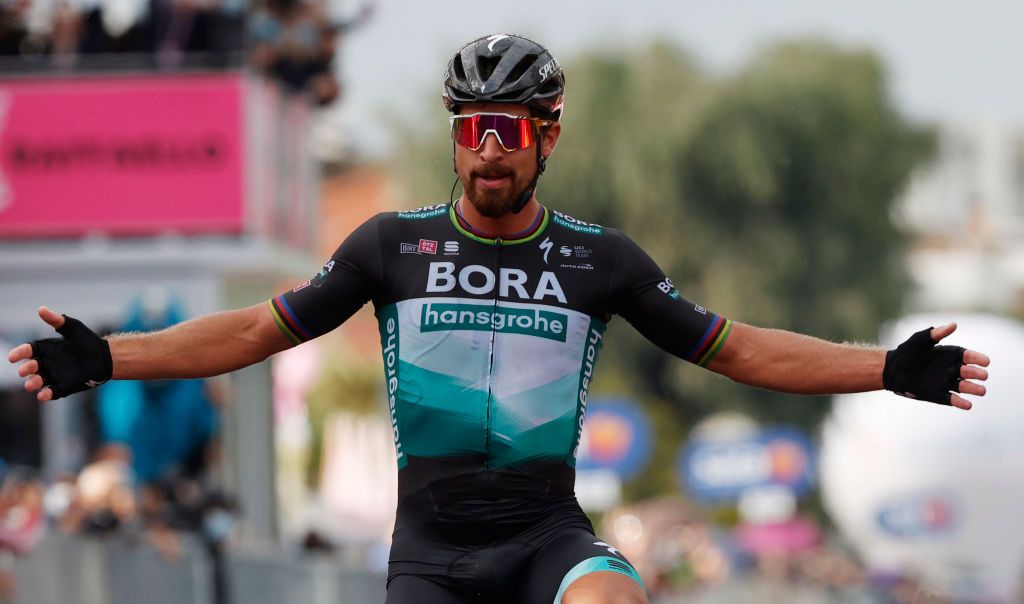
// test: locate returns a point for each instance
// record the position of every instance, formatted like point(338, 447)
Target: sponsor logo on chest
point(443, 277)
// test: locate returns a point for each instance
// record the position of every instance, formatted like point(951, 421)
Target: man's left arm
point(791, 362)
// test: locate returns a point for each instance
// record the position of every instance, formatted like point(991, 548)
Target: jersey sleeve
point(642, 294)
point(345, 283)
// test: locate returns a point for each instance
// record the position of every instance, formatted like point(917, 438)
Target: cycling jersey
point(489, 350)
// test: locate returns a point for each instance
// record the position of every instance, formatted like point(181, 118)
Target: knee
point(589, 596)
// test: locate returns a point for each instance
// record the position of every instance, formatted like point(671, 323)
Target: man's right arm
point(209, 345)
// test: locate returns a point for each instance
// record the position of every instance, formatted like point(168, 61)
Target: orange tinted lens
point(512, 132)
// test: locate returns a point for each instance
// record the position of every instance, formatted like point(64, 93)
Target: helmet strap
point(527, 193)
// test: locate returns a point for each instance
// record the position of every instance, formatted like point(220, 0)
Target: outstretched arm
point(791, 362)
point(205, 346)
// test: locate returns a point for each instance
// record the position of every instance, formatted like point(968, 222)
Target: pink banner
point(121, 156)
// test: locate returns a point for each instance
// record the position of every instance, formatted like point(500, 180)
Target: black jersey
point(490, 346)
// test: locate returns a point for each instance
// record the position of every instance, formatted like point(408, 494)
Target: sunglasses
point(512, 131)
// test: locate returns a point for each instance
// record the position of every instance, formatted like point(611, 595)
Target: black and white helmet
point(504, 68)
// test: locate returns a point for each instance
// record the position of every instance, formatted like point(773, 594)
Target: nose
point(491, 149)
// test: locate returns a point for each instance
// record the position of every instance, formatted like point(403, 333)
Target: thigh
point(410, 589)
point(574, 554)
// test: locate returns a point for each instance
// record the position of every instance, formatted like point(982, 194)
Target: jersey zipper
point(490, 362)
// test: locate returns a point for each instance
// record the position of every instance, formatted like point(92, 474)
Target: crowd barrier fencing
point(118, 570)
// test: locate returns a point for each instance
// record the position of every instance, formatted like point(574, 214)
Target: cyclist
point(492, 311)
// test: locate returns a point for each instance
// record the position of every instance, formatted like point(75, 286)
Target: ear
point(549, 139)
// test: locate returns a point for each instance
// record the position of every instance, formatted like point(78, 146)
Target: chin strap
point(527, 193)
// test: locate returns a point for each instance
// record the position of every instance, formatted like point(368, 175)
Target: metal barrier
point(72, 570)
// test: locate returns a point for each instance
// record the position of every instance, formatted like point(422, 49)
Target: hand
point(920, 369)
point(57, 367)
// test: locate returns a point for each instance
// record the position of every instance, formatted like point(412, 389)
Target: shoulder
point(567, 222)
point(421, 213)
point(596, 234)
point(396, 223)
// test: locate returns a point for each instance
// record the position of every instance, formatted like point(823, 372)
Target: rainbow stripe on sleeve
point(711, 342)
point(288, 322)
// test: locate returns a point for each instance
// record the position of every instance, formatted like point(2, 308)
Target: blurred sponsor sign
point(917, 515)
point(616, 437)
point(718, 470)
point(121, 156)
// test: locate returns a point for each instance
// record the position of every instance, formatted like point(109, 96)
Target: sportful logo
point(546, 246)
point(451, 248)
point(443, 316)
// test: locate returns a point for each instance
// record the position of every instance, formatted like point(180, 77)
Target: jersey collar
point(531, 232)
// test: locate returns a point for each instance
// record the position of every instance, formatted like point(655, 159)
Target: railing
point(72, 570)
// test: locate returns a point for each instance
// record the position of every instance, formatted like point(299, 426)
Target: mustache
point(492, 173)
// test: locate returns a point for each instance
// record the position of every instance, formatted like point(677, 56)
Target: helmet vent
point(460, 71)
point(521, 67)
point(486, 65)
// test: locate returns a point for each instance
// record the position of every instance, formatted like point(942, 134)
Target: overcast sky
point(949, 59)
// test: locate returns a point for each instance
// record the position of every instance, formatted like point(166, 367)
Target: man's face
point(494, 178)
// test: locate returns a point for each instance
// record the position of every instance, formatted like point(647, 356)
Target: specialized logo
point(577, 225)
point(547, 69)
point(445, 316)
point(494, 40)
point(479, 280)
point(546, 246)
point(451, 248)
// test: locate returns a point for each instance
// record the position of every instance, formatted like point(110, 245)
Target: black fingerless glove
point(919, 369)
point(76, 362)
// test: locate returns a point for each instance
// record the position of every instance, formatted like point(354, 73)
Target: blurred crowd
point(148, 472)
point(686, 554)
point(291, 41)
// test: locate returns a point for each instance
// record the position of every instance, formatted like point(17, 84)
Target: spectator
point(164, 428)
point(294, 43)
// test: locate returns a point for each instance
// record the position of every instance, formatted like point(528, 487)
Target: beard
point(493, 203)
